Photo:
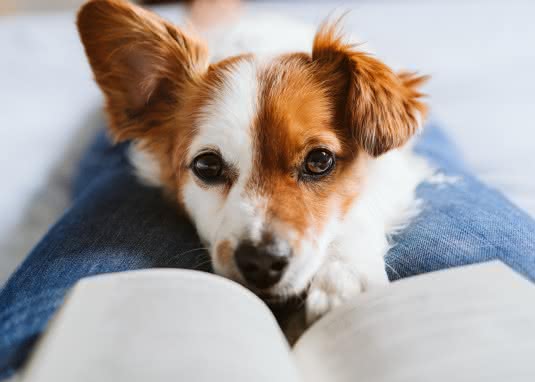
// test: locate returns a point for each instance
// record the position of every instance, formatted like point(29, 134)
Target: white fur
point(386, 205)
point(226, 125)
point(145, 165)
point(441, 179)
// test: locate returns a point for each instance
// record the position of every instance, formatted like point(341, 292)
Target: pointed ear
point(141, 62)
point(382, 109)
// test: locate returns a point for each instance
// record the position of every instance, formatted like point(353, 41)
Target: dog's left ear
point(381, 108)
point(142, 63)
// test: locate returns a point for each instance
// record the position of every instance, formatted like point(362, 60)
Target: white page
point(162, 325)
point(475, 323)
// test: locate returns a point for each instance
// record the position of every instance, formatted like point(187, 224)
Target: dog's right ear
point(382, 109)
point(139, 60)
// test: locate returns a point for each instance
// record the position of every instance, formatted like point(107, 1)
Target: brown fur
point(297, 114)
point(141, 62)
point(155, 80)
point(380, 107)
point(339, 98)
point(225, 252)
point(144, 66)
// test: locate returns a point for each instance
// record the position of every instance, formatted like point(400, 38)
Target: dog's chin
point(275, 299)
point(284, 293)
point(278, 295)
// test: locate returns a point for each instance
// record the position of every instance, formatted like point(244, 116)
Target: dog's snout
point(262, 265)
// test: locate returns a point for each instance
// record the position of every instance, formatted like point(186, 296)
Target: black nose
point(262, 265)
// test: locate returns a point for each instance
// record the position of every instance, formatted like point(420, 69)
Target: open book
point(475, 323)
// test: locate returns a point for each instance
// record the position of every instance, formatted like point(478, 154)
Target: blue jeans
point(116, 224)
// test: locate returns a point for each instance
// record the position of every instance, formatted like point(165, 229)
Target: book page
point(162, 325)
point(474, 323)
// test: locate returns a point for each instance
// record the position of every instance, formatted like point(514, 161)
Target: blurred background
point(480, 53)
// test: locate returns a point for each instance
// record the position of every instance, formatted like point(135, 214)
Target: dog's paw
point(336, 282)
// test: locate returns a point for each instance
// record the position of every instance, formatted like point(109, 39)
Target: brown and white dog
point(292, 165)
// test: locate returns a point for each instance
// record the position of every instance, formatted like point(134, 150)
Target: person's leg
point(115, 224)
point(462, 220)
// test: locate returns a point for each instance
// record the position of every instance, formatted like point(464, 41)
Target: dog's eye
point(319, 162)
point(208, 167)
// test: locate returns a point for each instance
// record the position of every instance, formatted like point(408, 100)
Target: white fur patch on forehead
point(226, 125)
point(226, 121)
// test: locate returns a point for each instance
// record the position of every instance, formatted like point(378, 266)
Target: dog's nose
point(262, 265)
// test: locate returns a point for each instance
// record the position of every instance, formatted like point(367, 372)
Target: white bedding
point(481, 56)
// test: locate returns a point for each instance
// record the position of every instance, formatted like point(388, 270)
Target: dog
point(294, 166)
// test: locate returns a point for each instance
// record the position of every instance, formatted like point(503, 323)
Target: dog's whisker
point(174, 257)
point(392, 269)
point(201, 264)
point(193, 250)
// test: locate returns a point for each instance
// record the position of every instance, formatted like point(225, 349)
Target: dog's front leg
point(349, 269)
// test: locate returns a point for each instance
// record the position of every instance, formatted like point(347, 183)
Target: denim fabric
point(461, 223)
point(116, 224)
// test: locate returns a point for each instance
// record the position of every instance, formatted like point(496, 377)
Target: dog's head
point(265, 155)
